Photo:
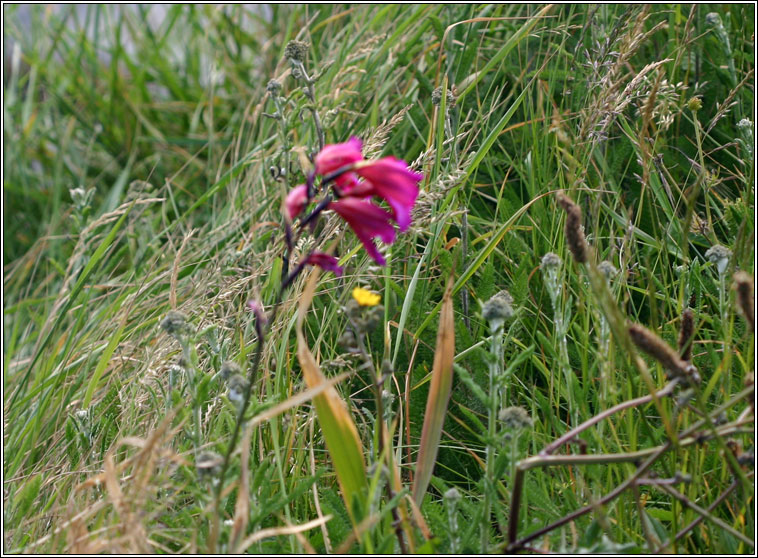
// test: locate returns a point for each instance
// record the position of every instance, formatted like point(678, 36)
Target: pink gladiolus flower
point(295, 201)
point(390, 179)
point(325, 262)
point(334, 157)
point(368, 222)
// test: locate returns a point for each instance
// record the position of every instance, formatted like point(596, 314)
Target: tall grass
point(144, 172)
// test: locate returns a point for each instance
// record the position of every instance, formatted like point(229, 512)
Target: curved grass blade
point(341, 435)
point(439, 395)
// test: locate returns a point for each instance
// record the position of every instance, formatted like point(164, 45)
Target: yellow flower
point(365, 297)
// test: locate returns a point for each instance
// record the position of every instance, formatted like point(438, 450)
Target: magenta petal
point(338, 155)
point(368, 222)
point(295, 201)
point(393, 181)
point(325, 262)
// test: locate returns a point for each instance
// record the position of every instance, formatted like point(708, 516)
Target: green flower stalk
point(176, 325)
point(274, 88)
point(451, 498)
point(297, 52)
point(719, 256)
point(604, 336)
point(516, 420)
point(496, 311)
point(551, 267)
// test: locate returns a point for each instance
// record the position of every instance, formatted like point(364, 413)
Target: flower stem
point(238, 424)
point(310, 92)
point(495, 369)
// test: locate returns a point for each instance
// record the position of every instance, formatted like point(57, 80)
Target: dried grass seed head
point(574, 231)
point(657, 348)
point(686, 331)
point(743, 284)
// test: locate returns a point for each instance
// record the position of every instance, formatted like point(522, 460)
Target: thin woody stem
point(687, 437)
point(695, 522)
point(706, 514)
point(514, 544)
point(240, 419)
point(573, 433)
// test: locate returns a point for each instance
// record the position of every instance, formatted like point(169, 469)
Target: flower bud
point(719, 256)
point(175, 323)
point(274, 87)
point(498, 309)
point(695, 104)
point(437, 97)
point(208, 463)
point(229, 369)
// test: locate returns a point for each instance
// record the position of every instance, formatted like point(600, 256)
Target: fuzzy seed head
point(498, 309)
point(452, 495)
point(175, 323)
point(437, 97)
point(274, 87)
point(713, 19)
point(237, 389)
point(296, 51)
point(607, 269)
point(515, 418)
point(208, 463)
point(551, 260)
point(228, 369)
point(719, 256)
